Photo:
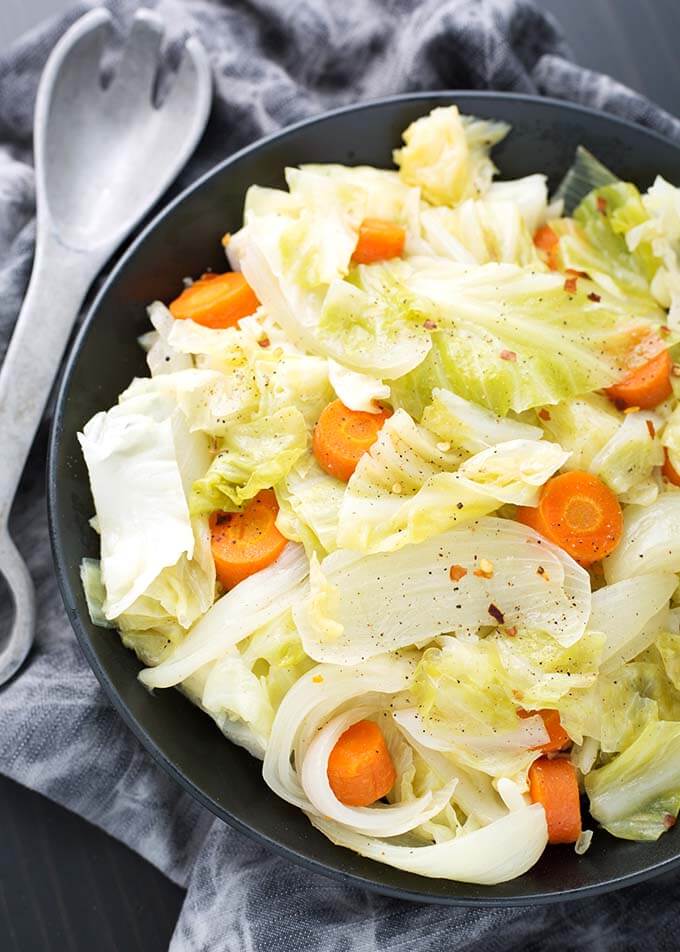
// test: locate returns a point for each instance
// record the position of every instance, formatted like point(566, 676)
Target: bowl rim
point(54, 514)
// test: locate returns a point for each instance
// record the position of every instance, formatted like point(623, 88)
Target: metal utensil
point(103, 156)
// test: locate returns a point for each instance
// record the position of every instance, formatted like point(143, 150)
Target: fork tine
point(139, 62)
point(83, 42)
point(192, 82)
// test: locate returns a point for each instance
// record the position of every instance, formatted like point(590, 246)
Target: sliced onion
point(622, 611)
point(249, 605)
point(511, 794)
point(474, 792)
point(493, 854)
point(650, 542)
point(378, 820)
point(530, 733)
point(357, 391)
point(310, 702)
point(411, 596)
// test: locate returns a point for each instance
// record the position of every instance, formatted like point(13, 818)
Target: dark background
point(68, 887)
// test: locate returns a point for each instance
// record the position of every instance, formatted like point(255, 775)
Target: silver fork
point(103, 156)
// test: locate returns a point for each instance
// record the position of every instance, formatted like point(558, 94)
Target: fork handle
point(59, 282)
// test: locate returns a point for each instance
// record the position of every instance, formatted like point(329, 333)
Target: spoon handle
point(59, 282)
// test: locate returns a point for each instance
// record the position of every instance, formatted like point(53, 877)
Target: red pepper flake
point(264, 342)
point(430, 325)
point(669, 820)
point(496, 613)
point(570, 285)
point(457, 572)
point(651, 429)
point(508, 355)
point(664, 331)
point(575, 273)
point(544, 414)
point(594, 297)
point(601, 205)
point(511, 632)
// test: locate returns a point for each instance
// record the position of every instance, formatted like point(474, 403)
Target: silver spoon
point(103, 156)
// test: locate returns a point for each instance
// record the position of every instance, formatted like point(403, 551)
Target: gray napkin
point(274, 62)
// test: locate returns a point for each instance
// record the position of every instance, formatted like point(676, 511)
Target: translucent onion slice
point(377, 820)
point(310, 702)
point(386, 601)
point(650, 542)
point(474, 792)
point(623, 610)
point(511, 794)
point(244, 609)
point(493, 854)
point(530, 733)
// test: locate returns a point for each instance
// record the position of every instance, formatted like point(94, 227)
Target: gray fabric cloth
point(274, 61)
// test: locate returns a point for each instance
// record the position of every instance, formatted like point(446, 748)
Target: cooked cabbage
point(410, 595)
point(446, 155)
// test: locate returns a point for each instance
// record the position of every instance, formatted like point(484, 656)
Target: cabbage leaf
point(636, 796)
point(446, 155)
point(509, 338)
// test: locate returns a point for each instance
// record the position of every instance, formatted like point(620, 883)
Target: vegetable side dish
point(399, 508)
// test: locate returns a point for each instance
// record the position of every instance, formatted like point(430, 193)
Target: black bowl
point(185, 239)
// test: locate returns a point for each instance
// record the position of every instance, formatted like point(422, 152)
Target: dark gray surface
point(64, 885)
point(67, 887)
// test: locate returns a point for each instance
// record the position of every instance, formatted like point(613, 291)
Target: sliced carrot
point(360, 769)
point(669, 471)
point(216, 300)
point(245, 542)
point(342, 436)
point(559, 739)
point(553, 784)
point(548, 242)
point(648, 381)
point(578, 512)
point(378, 240)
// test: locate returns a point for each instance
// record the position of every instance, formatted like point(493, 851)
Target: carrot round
point(553, 784)
point(216, 300)
point(548, 242)
point(360, 769)
point(559, 739)
point(245, 542)
point(578, 512)
point(648, 382)
point(342, 436)
point(669, 471)
point(378, 240)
